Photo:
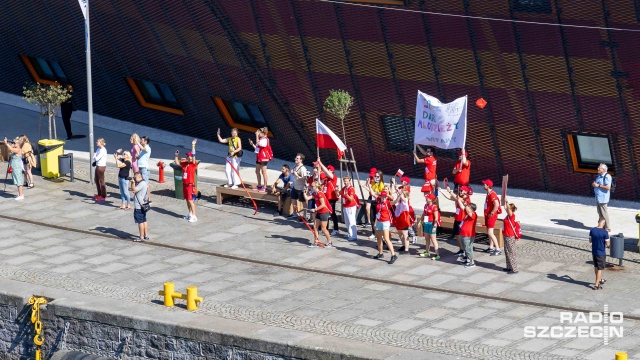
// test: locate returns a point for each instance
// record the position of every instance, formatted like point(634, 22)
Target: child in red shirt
point(322, 212)
point(189, 167)
point(383, 225)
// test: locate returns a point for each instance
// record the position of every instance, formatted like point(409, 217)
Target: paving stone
point(70, 268)
point(7, 243)
point(423, 270)
point(102, 259)
point(256, 286)
point(17, 250)
point(63, 259)
point(603, 353)
point(22, 259)
point(55, 250)
point(582, 343)
point(496, 342)
point(432, 332)
point(477, 313)
point(192, 268)
point(469, 334)
point(111, 268)
point(215, 237)
point(494, 323)
point(438, 279)
point(460, 302)
point(272, 295)
point(151, 268)
point(405, 325)
point(203, 277)
point(479, 278)
point(521, 277)
point(539, 286)
point(545, 266)
point(377, 287)
point(522, 311)
point(433, 313)
point(452, 323)
point(368, 322)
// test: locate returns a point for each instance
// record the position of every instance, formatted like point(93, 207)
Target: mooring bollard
point(191, 296)
point(621, 355)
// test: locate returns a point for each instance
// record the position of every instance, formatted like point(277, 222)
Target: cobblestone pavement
point(397, 307)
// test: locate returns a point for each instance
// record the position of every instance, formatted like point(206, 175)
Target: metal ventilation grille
point(541, 82)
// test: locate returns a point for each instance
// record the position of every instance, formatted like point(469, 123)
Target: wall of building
point(541, 82)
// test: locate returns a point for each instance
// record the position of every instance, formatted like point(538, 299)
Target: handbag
point(239, 153)
point(145, 206)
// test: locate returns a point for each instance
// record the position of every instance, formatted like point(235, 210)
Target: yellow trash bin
point(49, 150)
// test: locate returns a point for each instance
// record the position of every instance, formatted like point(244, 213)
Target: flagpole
point(89, 87)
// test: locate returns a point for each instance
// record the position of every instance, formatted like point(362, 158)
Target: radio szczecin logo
point(605, 325)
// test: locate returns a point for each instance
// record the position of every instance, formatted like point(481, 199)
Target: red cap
point(190, 154)
point(330, 167)
point(322, 176)
point(315, 163)
point(488, 182)
point(383, 194)
point(373, 171)
point(431, 196)
point(405, 179)
point(466, 189)
point(465, 153)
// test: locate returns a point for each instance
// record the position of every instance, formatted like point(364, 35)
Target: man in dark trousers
point(66, 108)
point(599, 239)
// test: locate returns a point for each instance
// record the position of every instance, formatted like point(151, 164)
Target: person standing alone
point(140, 191)
point(100, 162)
point(599, 239)
point(602, 190)
point(491, 211)
point(144, 156)
point(189, 192)
point(66, 109)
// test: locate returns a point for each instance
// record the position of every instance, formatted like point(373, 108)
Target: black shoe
point(379, 256)
point(393, 259)
point(489, 250)
point(459, 253)
point(506, 269)
point(146, 238)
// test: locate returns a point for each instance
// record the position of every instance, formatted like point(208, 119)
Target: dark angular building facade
point(560, 98)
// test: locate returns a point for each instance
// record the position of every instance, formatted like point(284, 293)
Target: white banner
point(440, 125)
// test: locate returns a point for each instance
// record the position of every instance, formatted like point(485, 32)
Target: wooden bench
point(446, 219)
point(222, 192)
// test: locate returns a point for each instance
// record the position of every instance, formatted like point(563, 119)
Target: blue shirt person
point(599, 239)
point(602, 191)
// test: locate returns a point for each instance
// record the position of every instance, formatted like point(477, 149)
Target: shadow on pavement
point(570, 223)
point(115, 232)
point(166, 212)
point(78, 194)
point(291, 239)
point(568, 279)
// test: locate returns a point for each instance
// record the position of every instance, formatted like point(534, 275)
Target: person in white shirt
point(100, 162)
point(300, 174)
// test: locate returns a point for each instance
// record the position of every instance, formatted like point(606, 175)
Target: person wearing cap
point(383, 225)
point(403, 219)
point(468, 231)
point(189, 166)
point(375, 187)
point(321, 211)
point(430, 164)
point(350, 204)
point(491, 211)
point(462, 170)
point(330, 189)
point(405, 181)
point(299, 174)
point(430, 227)
point(463, 193)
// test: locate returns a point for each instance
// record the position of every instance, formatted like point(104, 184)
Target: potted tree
point(338, 104)
point(49, 98)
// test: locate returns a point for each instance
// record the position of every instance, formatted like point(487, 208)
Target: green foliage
point(48, 97)
point(338, 104)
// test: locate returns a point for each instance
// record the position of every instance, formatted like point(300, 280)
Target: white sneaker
point(335, 232)
point(20, 197)
point(193, 219)
point(234, 187)
point(372, 237)
point(187, 217)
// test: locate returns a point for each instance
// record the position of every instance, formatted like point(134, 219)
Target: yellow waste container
point(49, 150)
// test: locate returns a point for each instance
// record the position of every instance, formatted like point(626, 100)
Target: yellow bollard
point(168, 293)
point(621, 355)
point(193, 298)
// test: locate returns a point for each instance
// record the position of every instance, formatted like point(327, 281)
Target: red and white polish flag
point(326, 139)
point(399, 173)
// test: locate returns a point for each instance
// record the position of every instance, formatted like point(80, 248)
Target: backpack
point(516, 228)
point(613, 184)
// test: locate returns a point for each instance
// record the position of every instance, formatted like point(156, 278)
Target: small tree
point(338, 104)
point(49, 99)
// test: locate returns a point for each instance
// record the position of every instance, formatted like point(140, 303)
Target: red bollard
point(160, 172)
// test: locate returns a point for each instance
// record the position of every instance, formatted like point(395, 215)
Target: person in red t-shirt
point(509, 233)
point(491, 211)
point(383, 225)
point(350, 204)
point(430, 224)
point(404, 220)
point(430, 163)
point(263, 155)
point(464, 192)
point(468, 231)
point(189, 166)
point(330, 189)
point(322, 211)
point(462, 170)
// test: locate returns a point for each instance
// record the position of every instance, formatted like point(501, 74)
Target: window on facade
point(381, 2)
point(533, 6)
point(45, 71)
point(155, 96)
point(588, 151)
point(243, 116)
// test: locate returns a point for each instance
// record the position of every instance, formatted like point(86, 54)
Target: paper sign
point(440, 125)
point(505, 180)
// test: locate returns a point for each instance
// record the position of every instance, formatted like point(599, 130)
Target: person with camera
point(140, 206)
point(100, 162)
point(189, 191)
point(28, 159)
point(281, 187)
point(124, 165)
point(15, 161)
point(234, 156)
point(263, 155)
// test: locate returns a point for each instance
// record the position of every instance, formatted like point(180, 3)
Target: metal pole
point(89, 90)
